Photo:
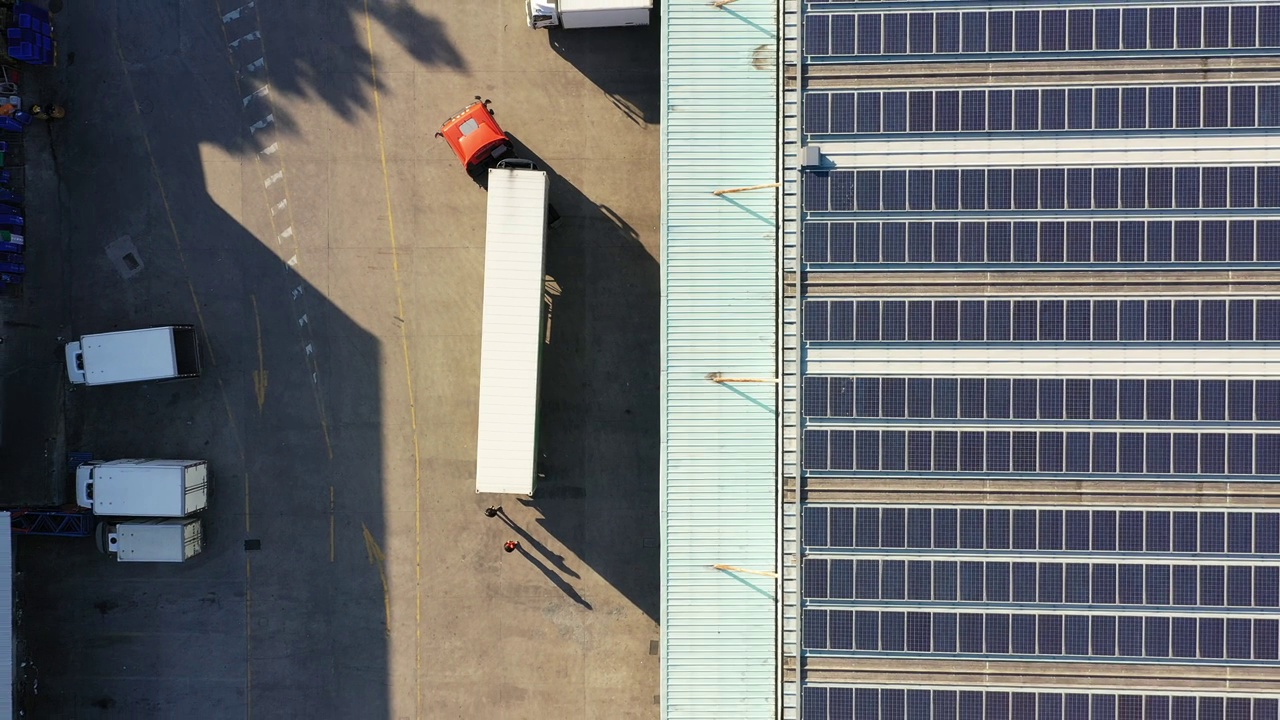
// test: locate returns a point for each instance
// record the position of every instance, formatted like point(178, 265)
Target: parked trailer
point(512, 337)
point(571, 14)
point(143, 488)
point(174, 540)
point(158, 353)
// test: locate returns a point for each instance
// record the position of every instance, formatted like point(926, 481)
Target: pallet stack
point(12, 235)
point(30, 35)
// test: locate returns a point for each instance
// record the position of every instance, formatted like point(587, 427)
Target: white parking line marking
point(255, 35)
point(260, 92)
point(235, 14)
point(262, 123)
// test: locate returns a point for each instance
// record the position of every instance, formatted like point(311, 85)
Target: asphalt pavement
point(271, 170)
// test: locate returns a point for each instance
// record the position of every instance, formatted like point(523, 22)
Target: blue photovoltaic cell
point(1151, 320)
point(1133, 29)
point(1153, 531)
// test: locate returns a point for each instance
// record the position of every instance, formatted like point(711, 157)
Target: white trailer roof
point(514, 285)
point(585, 5)
point(129, 356)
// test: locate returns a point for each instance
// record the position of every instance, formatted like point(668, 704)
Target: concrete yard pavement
point(333, 252)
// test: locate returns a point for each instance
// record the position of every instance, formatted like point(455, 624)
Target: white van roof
point(129, 355)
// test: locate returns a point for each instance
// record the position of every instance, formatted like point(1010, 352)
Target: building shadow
point(598, 420)
point(273, 615)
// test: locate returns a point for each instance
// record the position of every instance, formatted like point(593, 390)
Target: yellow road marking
point(408, 371)
point(259, 375)
point(330, 523)
point(376, 556)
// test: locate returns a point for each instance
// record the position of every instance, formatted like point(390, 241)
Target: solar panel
point(1000, 31)
point(843, 34)
point(1244, 27)
point(1216, 27)
point(1188, 27)
point(843, 112)
point(817, 35)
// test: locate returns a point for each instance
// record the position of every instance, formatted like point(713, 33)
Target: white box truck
point(570, 14)
point(158, 353)
point(143, 488)
point(151, 540)
point(511, 339)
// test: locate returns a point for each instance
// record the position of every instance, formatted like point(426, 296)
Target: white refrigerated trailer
point(511, 342)
point(570, 14)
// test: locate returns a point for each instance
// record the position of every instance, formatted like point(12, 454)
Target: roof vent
point(811, 156)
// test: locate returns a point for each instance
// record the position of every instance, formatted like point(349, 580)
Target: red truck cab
point(476, 138)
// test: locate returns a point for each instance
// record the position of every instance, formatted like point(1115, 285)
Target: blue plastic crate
point(33, 10)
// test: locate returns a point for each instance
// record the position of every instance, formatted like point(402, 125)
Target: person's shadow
point(557, 560)
point(555, 578)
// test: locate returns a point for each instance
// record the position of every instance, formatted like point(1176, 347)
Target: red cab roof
point(475, 136)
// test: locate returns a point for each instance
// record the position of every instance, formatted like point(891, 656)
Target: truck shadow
point(630, 79)
point(599, 392)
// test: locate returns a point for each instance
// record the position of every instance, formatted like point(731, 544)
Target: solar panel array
point(1134, 30)
point(1041, 320)
point(1098, 188)
point(880, 243)
point(1046, 399)
point(1128, 108)
point(991, 173)
point(1025, 453)
point(993, 530)
point(874, 703)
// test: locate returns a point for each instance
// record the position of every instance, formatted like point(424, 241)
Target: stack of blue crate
point(31, 37)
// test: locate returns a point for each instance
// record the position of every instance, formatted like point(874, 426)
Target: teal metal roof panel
point(719, 314)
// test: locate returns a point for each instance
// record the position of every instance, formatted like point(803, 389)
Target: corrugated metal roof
point(719, 312)
point(511, 344)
